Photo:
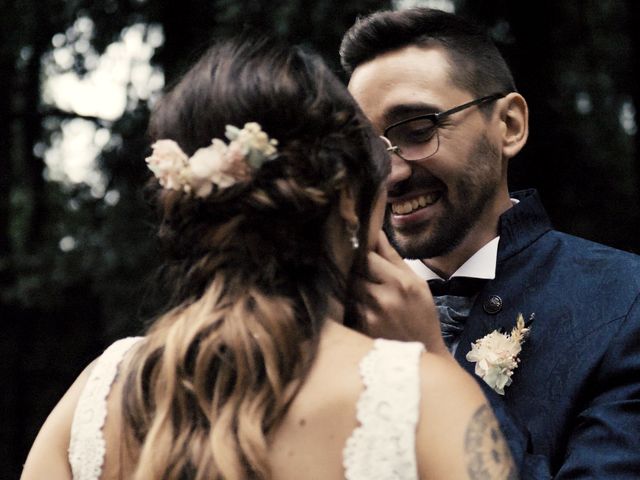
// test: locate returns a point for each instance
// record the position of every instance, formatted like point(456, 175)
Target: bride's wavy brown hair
point(252, 266)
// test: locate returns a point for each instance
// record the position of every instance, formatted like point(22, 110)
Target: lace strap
point(383, 445)
point(87, 445)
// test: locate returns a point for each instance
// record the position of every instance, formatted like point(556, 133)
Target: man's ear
point(347, 205)
point(514, 116)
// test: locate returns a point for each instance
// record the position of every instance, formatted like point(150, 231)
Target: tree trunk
point(32, 128)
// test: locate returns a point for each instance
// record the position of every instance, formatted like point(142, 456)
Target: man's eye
point(418, 133)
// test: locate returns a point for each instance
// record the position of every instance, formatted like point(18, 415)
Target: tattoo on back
point(486, 451)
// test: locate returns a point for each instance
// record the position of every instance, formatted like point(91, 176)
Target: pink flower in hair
point(206, 168)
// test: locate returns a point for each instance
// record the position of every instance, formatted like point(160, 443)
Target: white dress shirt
point(481, 264)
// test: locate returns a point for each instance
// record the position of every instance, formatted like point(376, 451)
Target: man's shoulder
point(580, 266)
point(583, 250)
point(528, 230)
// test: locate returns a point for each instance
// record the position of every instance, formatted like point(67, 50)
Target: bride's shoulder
point(48, 454)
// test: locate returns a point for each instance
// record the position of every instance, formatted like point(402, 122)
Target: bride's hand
point(398, 303)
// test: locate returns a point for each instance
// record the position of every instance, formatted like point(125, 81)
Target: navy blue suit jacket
point(573, 409)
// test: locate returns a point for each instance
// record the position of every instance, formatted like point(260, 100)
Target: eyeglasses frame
point(435, 118)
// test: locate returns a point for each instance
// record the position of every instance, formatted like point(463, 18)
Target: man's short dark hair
point(477, 65)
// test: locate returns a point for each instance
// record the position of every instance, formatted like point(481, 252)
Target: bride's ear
point(347, 205)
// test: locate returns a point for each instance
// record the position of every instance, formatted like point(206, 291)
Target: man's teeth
point(403, 208)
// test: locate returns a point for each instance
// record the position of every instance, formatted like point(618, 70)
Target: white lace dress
point(87, 446)
point(382, 447)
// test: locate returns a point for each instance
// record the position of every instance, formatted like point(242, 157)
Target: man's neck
point(478, 236)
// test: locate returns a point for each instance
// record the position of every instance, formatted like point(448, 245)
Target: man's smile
point(407, 206)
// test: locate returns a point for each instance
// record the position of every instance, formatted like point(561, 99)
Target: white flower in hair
point(253, 142)
point(168, 164)
point(219, 164)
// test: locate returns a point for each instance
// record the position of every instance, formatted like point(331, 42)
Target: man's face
point(434, 203)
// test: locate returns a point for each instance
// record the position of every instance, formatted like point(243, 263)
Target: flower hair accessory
point(496, 355)
point(219, 164)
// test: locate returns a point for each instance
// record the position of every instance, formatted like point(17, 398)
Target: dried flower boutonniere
point(496, 355)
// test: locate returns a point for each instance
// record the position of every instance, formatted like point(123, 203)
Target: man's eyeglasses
point(416, 138)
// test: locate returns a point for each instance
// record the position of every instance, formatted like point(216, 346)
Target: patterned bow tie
point(453, 313)
point(454, 299)
point(457, 286)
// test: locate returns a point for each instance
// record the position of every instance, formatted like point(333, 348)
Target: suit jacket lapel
point(518, 228)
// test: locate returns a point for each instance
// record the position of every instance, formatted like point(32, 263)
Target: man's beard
point(475, 190)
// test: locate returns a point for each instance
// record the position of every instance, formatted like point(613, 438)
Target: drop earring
point(353, 229)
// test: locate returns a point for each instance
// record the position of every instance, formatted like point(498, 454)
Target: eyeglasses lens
point(415, 139)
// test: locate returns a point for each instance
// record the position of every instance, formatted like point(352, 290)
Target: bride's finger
point(381, 270)
point(384, 248)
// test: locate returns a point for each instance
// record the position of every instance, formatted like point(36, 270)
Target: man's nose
point(400, 170)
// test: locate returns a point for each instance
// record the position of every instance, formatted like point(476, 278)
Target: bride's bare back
point(311, 440)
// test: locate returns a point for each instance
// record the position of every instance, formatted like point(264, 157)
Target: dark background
point(576, 62)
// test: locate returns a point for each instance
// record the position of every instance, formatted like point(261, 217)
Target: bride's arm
point(458, 437)
point(48, 455)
